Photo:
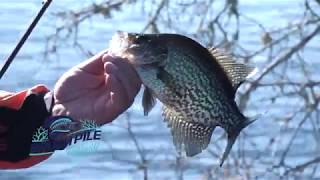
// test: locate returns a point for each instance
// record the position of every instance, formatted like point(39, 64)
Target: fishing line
point(25, 36)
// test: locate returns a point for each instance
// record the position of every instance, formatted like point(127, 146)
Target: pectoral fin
point(148, 101)
point(187, 136)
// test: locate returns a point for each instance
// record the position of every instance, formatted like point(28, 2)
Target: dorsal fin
point(237, 72)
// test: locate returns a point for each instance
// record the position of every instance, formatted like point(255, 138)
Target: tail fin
point(232, 136)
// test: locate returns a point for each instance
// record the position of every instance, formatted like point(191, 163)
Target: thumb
point(94, 65)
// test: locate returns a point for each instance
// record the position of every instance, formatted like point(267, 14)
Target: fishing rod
point(9, 60)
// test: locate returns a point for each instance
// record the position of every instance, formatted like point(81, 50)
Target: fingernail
point(110, 68)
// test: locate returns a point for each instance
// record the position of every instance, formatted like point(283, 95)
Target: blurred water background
point(145, 150)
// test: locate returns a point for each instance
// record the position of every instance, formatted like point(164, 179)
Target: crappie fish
point(196, 85)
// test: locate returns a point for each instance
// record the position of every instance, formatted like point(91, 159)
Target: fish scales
point(203, 93)
point(196, 85)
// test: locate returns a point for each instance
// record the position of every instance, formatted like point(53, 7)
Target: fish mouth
point(127, 46)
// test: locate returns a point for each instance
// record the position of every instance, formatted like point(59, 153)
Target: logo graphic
point(41, 135)
point(62, 132)
point(86, 140)
point(40, 143)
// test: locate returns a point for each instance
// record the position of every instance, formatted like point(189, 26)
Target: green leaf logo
point(41, 135)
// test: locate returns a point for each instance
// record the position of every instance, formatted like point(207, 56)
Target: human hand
point(98, 89)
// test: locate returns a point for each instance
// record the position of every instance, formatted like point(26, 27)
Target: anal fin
point(190, 137)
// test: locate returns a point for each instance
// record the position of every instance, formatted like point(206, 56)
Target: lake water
point(119, 158)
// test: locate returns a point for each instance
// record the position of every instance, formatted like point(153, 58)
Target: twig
point(303, 166)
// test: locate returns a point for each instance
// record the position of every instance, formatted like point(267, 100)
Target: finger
point(127, 69)
point(118, 100)
point(110, 68)
point(125, 73)
point(94, 65)
point(114, 71)
point(115, 84)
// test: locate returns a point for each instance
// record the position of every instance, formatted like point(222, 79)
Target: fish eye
point(141, 39)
